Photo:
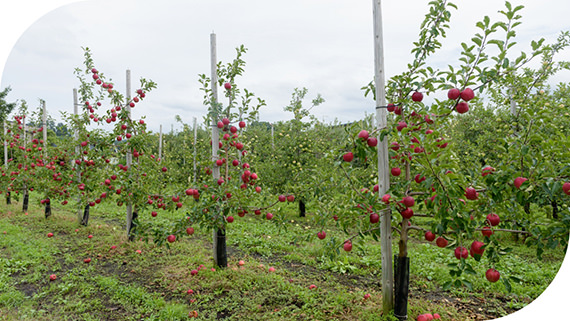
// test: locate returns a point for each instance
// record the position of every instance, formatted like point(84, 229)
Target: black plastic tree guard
point(221, 254)
point(301, 208)
point(26, 200)
point(85, 219)
point(401, 286)
point(8, 200)
point(47, 208)
point(133, 227)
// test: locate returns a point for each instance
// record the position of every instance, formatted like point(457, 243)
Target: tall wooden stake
point(77, 156)
point(195, 142)
point(219, 235)
point(383, 165)
point(44, 124)
point(129, 159)
point(160, 144)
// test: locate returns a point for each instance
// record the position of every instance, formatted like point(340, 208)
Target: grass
point(121, 284)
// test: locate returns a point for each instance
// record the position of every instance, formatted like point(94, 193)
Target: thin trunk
point(85, 218)
point(8, 200)
point(301, 208)
point(554, 209)
point(401, 283)
point(26, 199)
point(47, 208)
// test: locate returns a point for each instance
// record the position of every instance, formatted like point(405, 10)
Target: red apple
point(471, 193)
point(429, 236)
point(386, 198)
point(407, 213)
point(269, 216)
point(492, 275)
point(453, 94)
point(476, 248)
point(374, 218)
point(372, 141)
point(230, 219)
point(363, 134)
point(282, 198)
point(461, 252)
point(228, 86)
point(441, 242)
point(348, 157)
point(487, 170)
point(321, 235)
point(417, 96)
point(52, 277)
point(408, 201)
point(493, 219)
point(290, 198)
point(190, 231)
point(487, 231)
point(87, 260)
point(49, 234)
point(467, 94)
point(396, 171)
point(347, 246)
point(462, 107)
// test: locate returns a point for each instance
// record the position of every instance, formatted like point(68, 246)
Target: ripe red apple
point(429, 236)
point(492, 275)
point(220, 125)
point(467, 94)
point(258, 189)
point(471, 193)
point(321, 235)
point(391, 107)
point(228, 86)
point(493, 219)
point(436, 316)
point(348, 157)
point(52, 277)
point(290, 198)
point(441, 242)
point(282, 198)
point(225, 121)
point(407, 213)
point(372, 141)
point(396, 171)
point(476, 248)
point(193, 272)
point(462, 107)
point(386, 198)
point(487, 231)
point(394, 146)
point(461, 252)
point(566, 188)
point(417, 96)
point(422, 317)
point(49, 234)
point(401, 125)
point(453, 94)
point(367, 296)
point(487, 170)
point(363, 134)
point(87, 260)
point(374, 218)
point(190, 230)
point(230, 219)
point(269, 216)
point(347, 246)
point(90, 236)
point(153, 214)
point(335, 217)
point(241, 124)
point(408, 201)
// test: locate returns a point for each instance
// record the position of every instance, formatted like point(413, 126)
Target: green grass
point(122, 284)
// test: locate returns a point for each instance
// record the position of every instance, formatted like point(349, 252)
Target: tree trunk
point(401, 286)
point(221, 258)
point(85, 218)
point(26, 200)
point(133, 226)
point(301, 208)
point(47, 208)
point(8, 200)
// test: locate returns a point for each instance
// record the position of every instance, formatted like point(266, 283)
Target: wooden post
point(219, 237)
point(383, 162)
point(129, 156)
point(8, 200)
point(195, 143)
point(160, 144)
point(44, 124)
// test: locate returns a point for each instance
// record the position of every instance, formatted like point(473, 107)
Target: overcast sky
point(324, 45)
